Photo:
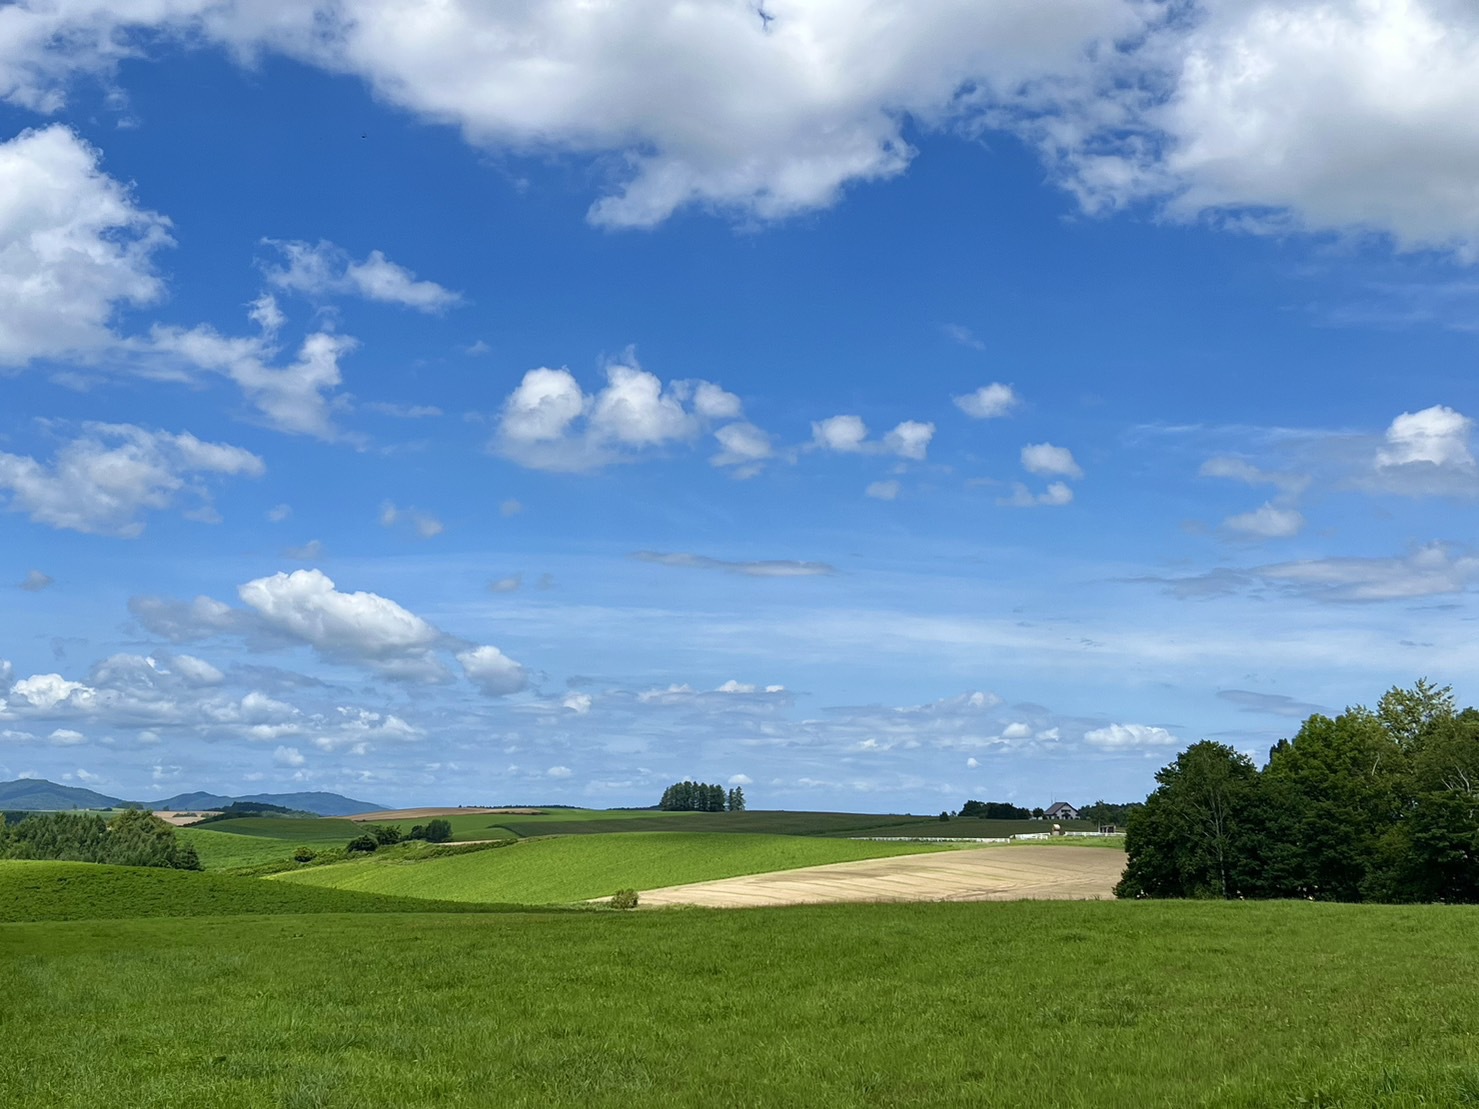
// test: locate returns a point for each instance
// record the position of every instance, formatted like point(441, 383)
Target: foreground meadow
point(1106, 1004)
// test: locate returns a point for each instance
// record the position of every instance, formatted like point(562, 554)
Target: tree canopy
point(134, 837)
point(1367, 806)
point(701, 797)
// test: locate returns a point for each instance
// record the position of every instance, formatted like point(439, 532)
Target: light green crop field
point(90, 891)
point(466, 827)
point(575, 868)
point(224, 850)
point(1110, 1005)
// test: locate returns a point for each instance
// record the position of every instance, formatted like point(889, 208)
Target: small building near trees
point(1060, 810)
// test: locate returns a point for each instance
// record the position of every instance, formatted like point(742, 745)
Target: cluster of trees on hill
point(386, 835)
point(133, 838)
point(1105, 812)
point(996, 810)
point(1369, 806)
point(701, 797)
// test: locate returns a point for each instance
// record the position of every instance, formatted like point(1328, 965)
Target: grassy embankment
point(1098, 1004)
point(574, 868)
point(31, 891)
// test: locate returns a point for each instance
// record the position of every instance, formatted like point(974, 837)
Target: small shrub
point(304, 855)
point(361, 844)
point(385, 834)
point(624, 899)
point(438, 831)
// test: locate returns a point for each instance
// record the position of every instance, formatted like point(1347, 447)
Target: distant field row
point(568, 822)
point(1114, 1005)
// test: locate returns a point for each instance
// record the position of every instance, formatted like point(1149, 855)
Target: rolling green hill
point(576, 868)
point(31, 891)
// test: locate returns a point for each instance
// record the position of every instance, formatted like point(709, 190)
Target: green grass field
point(1111, 1005)
point(225, 850)
point(574, 868)
point(88, 891)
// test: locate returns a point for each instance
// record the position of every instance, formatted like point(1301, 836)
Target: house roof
point(1059, 806)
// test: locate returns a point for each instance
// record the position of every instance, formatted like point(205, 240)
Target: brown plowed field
point(424, 814)
point(980, 874)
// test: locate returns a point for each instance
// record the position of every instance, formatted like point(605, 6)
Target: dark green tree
point(1192, 837)
point(438, 830)
point(385, 834)
point(1333, 798)
point(736, 799)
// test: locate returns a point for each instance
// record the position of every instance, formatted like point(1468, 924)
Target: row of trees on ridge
point(1376, 805)
point(701, 797)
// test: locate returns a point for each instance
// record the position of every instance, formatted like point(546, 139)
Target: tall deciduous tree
point(1191, 837)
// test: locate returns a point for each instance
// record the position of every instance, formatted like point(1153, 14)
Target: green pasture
point(575, 868)
point(1110, 1005)
point(465, 826)
point(226, 850)
point(32, 891)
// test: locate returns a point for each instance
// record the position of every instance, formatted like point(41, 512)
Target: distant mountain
point(37, 793)
point(322, 804)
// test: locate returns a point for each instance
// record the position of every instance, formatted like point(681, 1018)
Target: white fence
point(982, 839)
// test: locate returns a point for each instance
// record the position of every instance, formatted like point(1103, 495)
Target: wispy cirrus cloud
point(757, 568)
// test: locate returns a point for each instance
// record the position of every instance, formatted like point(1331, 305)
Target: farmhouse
point(1060, 810)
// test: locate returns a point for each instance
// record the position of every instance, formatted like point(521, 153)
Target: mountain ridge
point(34, 794)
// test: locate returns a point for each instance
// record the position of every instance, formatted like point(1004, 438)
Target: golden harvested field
point(1028, 873)
point(186, 818)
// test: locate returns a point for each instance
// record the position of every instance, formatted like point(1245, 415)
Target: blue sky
point(543, 403)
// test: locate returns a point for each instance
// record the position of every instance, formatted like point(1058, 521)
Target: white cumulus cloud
point(550, 423)
point(1050, 461)
point(492, 671)
point(1129, 737)
point(105, 480)
point(989, 402)
point(74, 247)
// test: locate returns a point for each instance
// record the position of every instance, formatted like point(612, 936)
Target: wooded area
point(134, 837)
point(1369, 806)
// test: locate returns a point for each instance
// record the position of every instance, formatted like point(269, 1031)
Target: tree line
point(1100, 812)
point(1372, 805)
point(135, 837)
point(701, 797)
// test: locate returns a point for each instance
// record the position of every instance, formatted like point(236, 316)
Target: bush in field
point(361, 845)
point(386, 835)
point(438, 831)
point(304, 855)
point(624, 899)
